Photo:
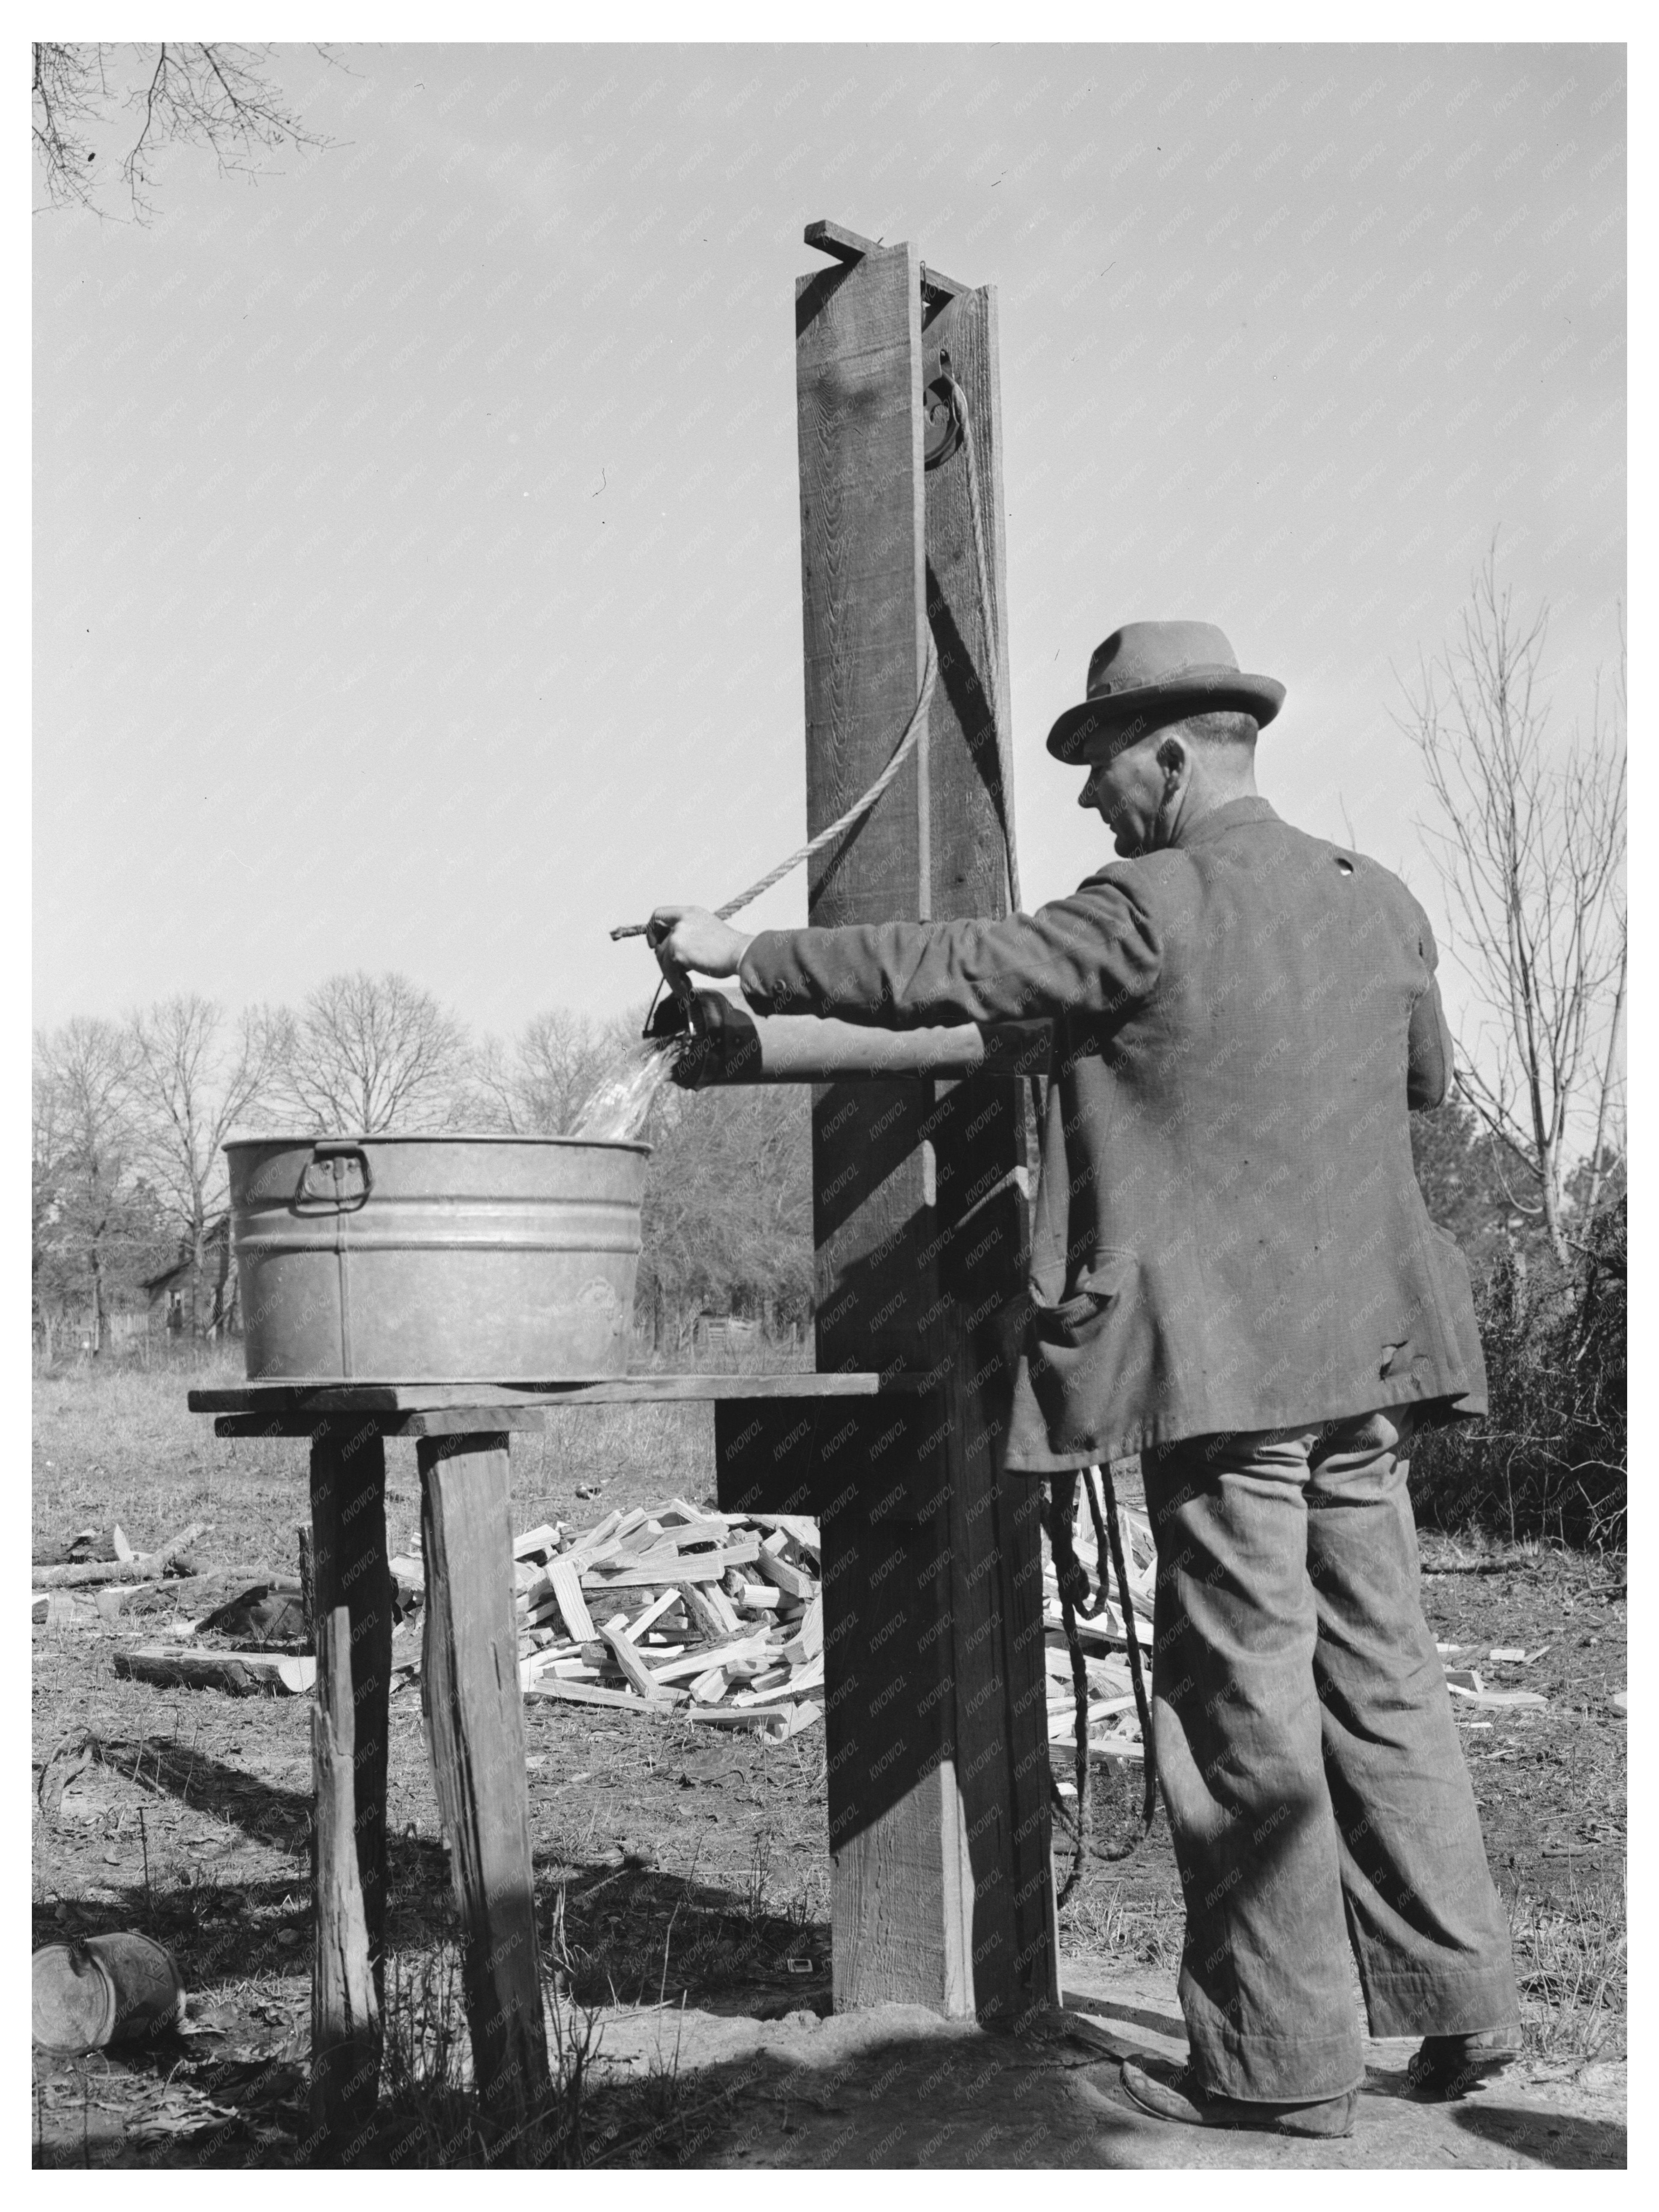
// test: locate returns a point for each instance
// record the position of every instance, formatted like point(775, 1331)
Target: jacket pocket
point(1072, 1322)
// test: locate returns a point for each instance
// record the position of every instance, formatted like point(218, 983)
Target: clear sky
point(416, 528)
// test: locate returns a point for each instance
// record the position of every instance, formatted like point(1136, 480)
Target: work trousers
point(1315, 1786)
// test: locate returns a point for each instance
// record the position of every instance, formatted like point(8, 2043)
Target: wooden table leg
point(474, 1718)
point(345, 2013)
point(353, 1599)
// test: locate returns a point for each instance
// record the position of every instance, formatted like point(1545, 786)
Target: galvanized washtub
point(435, 1259)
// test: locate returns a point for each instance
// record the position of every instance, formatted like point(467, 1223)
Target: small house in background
point(170, 1293)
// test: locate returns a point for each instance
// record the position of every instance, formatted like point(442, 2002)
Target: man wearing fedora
point(1233, 1275)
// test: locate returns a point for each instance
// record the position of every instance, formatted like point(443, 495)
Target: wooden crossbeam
point(848, 246)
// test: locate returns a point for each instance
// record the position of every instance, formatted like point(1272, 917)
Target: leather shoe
point(1446, 2066)
point(1170, 2091)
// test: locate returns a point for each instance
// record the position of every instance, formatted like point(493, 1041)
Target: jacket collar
point(1233, 816)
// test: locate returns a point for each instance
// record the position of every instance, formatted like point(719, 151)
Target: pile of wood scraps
point(714, 1618)
point(92, 1557)
point(1113, 1723)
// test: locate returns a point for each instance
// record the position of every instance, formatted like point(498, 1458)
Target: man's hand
point(684, 937)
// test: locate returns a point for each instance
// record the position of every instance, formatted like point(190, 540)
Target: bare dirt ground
point(701, 1979)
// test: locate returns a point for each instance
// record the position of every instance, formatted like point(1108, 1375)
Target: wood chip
point(1485, 1697)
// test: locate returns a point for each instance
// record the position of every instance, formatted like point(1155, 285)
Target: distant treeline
point(129, 1182)
point(130, 1118)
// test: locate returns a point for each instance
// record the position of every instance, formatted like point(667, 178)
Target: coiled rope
point(1073, 1592)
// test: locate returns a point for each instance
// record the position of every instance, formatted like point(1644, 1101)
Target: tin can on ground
point(112, 1988)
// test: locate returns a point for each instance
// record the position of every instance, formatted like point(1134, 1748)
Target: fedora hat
point(1149, 673)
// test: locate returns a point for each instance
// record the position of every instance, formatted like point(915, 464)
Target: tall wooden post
point(935, 1702)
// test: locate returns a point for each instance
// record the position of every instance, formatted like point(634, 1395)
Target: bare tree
point(1530, 847)
point(216, 95)
point(368, 1053)
point(94, 1219)
point(540, 1086)
point(192, 1086)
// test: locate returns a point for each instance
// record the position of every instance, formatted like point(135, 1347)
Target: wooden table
point(773, 1449)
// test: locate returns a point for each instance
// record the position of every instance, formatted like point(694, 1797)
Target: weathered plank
point(345, 2017)
point(503, 1398)
point(242, 1672)
point(470, 1694)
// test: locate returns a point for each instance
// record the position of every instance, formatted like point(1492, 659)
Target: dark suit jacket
point(1229, 1233)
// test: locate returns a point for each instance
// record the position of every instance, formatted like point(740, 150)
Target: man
point(1233, 1275)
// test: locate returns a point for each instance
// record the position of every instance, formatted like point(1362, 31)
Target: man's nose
point(1085, 798)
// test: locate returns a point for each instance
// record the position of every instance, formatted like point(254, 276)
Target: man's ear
point(1174, 756)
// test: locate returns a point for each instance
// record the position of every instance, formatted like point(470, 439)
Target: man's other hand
point(690, 936)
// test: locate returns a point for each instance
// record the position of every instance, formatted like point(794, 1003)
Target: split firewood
point(710, 1660)
point(654, 1610)
point(799, 1528)
point(1062, 1721)
point(792, 1580)
point(797, 1679)
point(808, 1639)
point(555, 1690)
point(536, 1543)
point(709, 1687)
point(140, 1567)
point(567, 1588)
point(594, 1541)
point(711, 1609)
point(676, 1514)
point(765, 1720)
point(633, 1667)
point(658, 1568)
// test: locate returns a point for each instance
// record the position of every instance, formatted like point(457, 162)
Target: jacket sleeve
point(1429, 1045)
point(1095, 954)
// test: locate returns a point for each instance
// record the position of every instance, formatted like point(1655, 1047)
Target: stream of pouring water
point(618, 1108)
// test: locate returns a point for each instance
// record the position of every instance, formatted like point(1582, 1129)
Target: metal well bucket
point(464, 1259)
point(111, 1988)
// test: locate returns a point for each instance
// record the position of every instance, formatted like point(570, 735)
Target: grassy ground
point(193, 1823)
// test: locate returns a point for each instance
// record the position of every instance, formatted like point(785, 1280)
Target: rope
point(1073, 1585)
point(987, 624)
point(918, 722)
point(855, 812)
